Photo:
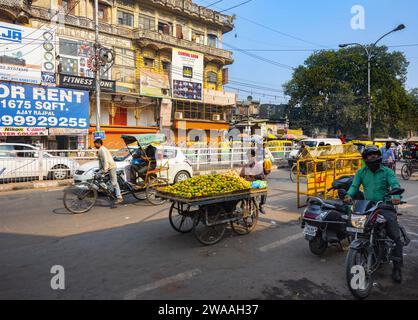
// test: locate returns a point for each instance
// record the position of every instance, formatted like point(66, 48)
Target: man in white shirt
point(107, 164)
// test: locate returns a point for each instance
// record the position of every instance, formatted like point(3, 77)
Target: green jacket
point(376, 185)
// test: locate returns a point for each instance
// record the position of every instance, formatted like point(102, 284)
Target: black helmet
point(374, 164)
point(371, 150)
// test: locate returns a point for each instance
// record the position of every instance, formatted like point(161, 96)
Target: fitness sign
point(29, 106)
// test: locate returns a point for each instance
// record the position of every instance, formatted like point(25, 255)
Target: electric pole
point(97, 64)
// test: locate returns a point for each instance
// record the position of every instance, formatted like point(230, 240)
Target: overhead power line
point(210, 5)
point(236, 6)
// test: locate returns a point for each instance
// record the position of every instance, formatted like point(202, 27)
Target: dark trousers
point(263, 200)
point(393, 231)
point(138, 171)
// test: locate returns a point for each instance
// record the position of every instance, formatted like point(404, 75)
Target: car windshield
point(310, 144)
point(123, 154)
point(166, 153)
point(6, 151)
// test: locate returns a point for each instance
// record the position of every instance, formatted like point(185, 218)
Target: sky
point(302, 26)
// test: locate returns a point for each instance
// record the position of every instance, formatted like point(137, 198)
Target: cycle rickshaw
point(411, 159)
point(154, 178)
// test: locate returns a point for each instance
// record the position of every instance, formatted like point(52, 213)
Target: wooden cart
point(208, 217)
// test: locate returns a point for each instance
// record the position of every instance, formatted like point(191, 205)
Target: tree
point(330, 91)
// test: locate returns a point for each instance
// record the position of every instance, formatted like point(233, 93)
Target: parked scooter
point(324, 222)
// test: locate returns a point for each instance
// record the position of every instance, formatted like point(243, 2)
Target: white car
point(179, 168)
point(311, 143)
point(18, 160)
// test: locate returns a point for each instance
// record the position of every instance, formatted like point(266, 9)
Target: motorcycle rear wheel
point(318, 246)
point(358, 257)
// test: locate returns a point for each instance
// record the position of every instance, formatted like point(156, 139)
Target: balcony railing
point(194, 9)
point(176, 42)
point(20, 9)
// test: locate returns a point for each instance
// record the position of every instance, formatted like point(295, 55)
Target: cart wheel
point(248, 212)
point(152, 190)
point(180, 217)
point(405, 172)
point(209, 235)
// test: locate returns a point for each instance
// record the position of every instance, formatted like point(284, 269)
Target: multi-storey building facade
point(169, 63)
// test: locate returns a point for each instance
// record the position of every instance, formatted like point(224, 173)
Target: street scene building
point(219, 150)
point(168, 69)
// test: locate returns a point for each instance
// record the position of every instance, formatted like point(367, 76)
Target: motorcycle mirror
point(397, 192)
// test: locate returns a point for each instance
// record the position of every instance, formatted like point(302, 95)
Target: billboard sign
point(187, 75)
point(27, 55)
point(153, 84)
point(22, 131)
point(84, 83)
point(30, 106)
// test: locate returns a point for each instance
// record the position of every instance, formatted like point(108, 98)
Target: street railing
point(29, 165)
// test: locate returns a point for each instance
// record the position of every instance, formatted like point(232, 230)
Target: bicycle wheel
point(79, 198)
point(181, 218)
point(204, 231)
point(151, 191)
point(406, 172)
point(248, 212)
point(293, 174)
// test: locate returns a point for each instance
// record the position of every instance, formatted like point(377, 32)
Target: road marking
point(282, 242)
point(411, 198)
point(414, 234)
point(132, 294)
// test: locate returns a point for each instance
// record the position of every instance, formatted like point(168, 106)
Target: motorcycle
point(371, 246)
point(324, 222)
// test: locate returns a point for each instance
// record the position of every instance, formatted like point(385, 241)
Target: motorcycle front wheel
point(79, 198)
point(356, 274)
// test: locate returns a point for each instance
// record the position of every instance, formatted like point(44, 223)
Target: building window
point(103, 13)
point(68, 6)
point(212, 40)
point(165, 27)
point(149, 63)
point(212, 77)
point(198, 111)
point(198, 37)
point(166, 66)
point(146, 22)
point(125, 19)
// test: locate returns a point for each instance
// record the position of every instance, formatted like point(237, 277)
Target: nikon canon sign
point(85, 83)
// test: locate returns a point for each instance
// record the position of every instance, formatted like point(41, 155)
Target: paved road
point(132, 253)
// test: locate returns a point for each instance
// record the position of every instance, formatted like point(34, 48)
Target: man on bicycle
point(388, 156)
point(108, 165)
point(377, 181)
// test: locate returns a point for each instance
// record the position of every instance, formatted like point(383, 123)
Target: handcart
point(208, 217)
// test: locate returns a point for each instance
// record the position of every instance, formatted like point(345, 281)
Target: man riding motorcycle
point(377, 181)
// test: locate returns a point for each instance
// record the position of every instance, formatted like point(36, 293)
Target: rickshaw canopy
point(144, 140)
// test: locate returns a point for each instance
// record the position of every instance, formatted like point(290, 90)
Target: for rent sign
point(28, 106)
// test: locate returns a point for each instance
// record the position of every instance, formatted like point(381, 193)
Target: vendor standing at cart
point(253, 170)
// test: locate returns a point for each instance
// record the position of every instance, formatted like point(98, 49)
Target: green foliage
point(330, 91)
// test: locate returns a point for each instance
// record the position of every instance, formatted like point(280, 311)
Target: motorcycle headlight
point(358, 221)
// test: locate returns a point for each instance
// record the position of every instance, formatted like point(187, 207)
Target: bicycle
point(81, 197)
